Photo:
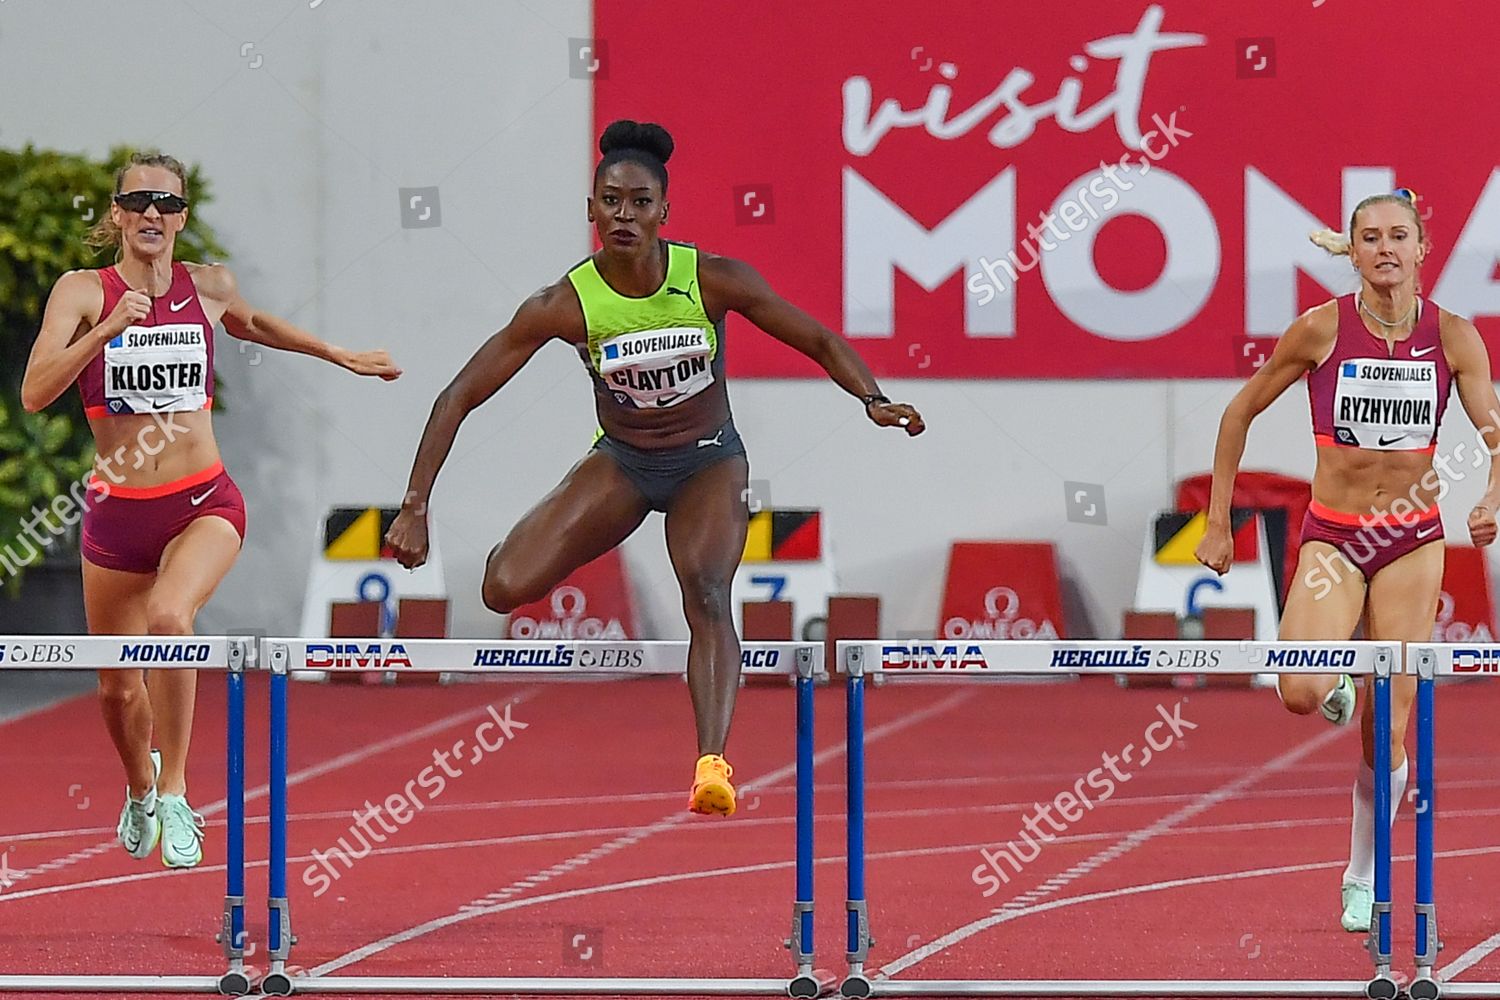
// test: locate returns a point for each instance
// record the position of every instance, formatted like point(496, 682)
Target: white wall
point(352, 102)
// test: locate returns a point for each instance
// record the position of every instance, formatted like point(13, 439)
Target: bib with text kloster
point(160, 369)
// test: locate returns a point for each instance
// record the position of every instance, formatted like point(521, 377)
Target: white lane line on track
point(822, 789)
point(1470, 958)
point(1056, 904)
point(512, 840)
point(296, 778)
point(610, 831)
point(7, 716)
point(534, 838)
point(501, 899)
point(888, 855)
point(1026, 902)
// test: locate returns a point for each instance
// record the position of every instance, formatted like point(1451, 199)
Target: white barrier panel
point(1006, 657)
point(512, 656)
point(1453, 659)
point(348, 567)
point(123, 652)
point(1186, 589)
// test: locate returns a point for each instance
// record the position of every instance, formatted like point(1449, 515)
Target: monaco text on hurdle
point(165, 652)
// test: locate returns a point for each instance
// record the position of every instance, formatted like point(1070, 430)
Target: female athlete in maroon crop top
point(163, 522)
point(1379, 364)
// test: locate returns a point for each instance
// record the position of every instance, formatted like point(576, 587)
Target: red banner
point(1002, 590)
point(1083, 190)
point(1464, 612)
point(593, 603)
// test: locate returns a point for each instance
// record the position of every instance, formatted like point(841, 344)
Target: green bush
point(48, 202)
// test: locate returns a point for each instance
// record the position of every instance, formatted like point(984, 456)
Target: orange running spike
point(712, 794)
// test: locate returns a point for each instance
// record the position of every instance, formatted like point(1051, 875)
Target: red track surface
point(558, 824)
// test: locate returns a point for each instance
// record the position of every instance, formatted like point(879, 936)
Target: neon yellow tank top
point(657, 351)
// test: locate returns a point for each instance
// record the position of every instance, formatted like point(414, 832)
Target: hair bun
point(648, 137)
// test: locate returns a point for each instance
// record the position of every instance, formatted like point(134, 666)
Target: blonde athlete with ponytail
point(1379, 364)
point(163, 521)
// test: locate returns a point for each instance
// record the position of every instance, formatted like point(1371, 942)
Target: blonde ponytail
point(1335, 243)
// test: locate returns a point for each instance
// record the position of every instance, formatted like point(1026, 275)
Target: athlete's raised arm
point(738, 286)
point(242, 320)
point(1304, 345)
point(552, 311)
point(57, 355)
point(1470, 364)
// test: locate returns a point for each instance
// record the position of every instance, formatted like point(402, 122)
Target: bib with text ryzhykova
point(1385, 404)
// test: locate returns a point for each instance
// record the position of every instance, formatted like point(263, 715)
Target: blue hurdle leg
point(804, 984)
point(856, 984)
point(1426, 910)
point(235, 981)
point(1380, 927)
point(279, 928)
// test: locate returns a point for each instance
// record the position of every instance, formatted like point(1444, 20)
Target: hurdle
point(977, 661)
point(1429, 661)
point(97, 652)
point(531, 660)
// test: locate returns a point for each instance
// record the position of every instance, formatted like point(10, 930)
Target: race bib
point(657, 367)
point(160, 369)
point(1386, 405)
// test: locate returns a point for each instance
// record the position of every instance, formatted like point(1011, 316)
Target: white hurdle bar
point(977, 661)
point(557, 660)
point(1430, 661)
point(155, 652)
point(529, 658)
point(145, 985)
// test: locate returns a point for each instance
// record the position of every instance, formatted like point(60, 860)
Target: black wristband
point(874, 397)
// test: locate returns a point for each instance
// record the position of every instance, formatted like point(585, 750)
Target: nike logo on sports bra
point(179, 306)
point(1423, 352)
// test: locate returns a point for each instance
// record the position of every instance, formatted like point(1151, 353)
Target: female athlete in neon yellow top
point(647, 318)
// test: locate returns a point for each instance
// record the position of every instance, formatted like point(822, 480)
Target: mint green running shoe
point(181, 832)
point(1338, 707)
point(140, 823)
point(1359, 901)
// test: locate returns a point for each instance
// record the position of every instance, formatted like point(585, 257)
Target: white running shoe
point(1338, 707)
point(1359, 901)
point(181, 833)
point(140, 825)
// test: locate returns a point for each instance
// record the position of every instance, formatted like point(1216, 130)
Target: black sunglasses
point(166, 202)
